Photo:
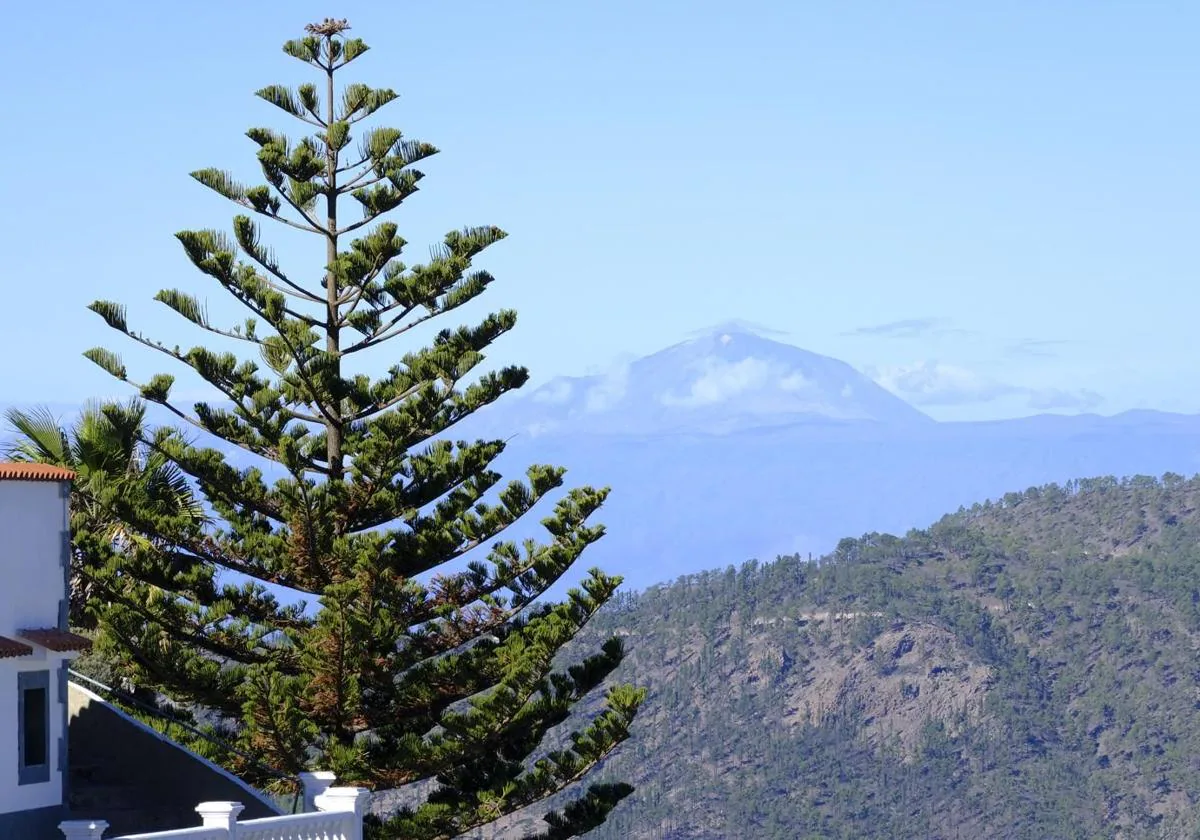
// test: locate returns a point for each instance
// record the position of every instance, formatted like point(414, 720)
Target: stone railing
point(338, 815)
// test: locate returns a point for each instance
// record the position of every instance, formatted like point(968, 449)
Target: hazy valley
point(782, 451)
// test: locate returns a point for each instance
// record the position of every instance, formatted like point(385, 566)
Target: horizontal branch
point(381, 335)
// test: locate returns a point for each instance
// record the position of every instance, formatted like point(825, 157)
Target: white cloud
point(909, 328)
point(555, 392)
point(609, 391)
point(737, 325)
point(794, 381)
point(935, 383)
point(537, 429)
point(720, 380)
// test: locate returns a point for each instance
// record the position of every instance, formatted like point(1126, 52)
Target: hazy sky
point(993, 208)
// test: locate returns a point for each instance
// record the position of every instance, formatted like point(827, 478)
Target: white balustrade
point(314, 785)
point(83, 829)
point(338, 816)
point(317, 826)
point(200, 832)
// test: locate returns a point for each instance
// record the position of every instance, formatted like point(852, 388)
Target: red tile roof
point(22, 471)
point(11, 647)
point(56, 640)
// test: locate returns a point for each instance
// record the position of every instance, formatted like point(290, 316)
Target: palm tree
point(113, 466)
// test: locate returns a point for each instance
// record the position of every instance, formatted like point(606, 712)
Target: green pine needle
point(107, 360)
point(112, 313)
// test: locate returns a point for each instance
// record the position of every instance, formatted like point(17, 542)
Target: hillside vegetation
point(1022, 669)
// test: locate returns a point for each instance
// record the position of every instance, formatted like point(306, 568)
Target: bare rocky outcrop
point(911, 674)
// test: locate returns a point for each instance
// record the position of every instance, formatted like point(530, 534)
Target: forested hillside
point(1023, 669)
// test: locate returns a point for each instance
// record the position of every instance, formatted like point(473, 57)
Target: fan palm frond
point(40, 438)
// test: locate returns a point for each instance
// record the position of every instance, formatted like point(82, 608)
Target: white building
point(35, 647)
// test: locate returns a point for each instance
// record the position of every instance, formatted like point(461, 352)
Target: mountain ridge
point(765, 364)
point(1023, 668)
point(736, 486)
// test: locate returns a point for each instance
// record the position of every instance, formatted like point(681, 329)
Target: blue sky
point(992, 208)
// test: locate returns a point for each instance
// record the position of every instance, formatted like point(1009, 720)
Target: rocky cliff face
point(911, 674)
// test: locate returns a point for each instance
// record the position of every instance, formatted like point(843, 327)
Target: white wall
point(33, 516)
point(14, 797)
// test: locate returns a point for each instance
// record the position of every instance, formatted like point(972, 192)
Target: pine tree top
point(328, 27)
point(432, 654)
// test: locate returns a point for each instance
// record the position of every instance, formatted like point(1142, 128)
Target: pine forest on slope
point(1022, 669)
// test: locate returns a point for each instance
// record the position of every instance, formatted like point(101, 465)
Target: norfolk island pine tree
point(411, 670)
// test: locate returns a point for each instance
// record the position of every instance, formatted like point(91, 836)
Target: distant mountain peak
point(725, 378)
point(737, 326)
